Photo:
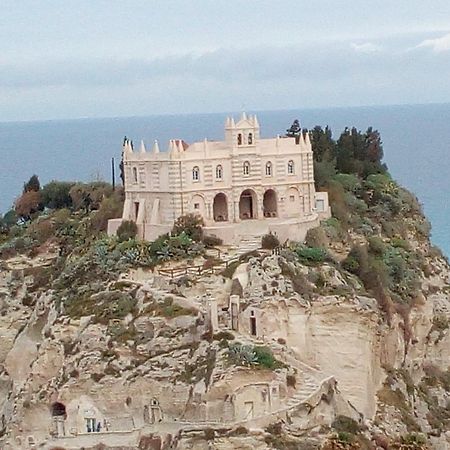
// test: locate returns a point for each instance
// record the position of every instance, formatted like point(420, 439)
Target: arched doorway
point(59, 416)
point(248, 205)
point(58, 410)
point(270, 203)
point(220, 208)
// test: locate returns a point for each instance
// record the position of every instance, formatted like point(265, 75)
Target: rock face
point(148, 368)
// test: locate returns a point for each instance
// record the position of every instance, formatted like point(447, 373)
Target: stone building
point(244, 185)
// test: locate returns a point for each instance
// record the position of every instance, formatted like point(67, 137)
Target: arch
point(239, 139)
point(270, 203)
point(248, 205)
point(219, 172)
point(220, 208)
point(196, 173)
point(250, 138)
point(269, 168)
point(294, 199)
point(290, 167)
point(246, 168)
point(198, 205)
point(58, 410)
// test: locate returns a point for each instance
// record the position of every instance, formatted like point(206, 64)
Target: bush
point(56, 195)
point(317, 237)
point(110, 208)
point(311, 255)
point(127, 230)
point(376, 246)
point(191, 224)
point(269, 241)
point(346, 424)
point(28, 204)
point(212, 241)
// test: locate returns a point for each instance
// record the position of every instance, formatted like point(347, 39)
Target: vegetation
point(269, 241)
point(127, 230)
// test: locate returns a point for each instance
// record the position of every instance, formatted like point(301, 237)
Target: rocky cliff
point(340, 342)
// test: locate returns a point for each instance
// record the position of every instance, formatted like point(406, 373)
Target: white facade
point(241, 186)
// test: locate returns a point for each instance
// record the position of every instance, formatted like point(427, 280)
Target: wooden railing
point(197, 270)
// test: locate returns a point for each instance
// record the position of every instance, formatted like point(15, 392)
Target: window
point(269, 169)
point(219, 172)
point(196, 173)
point(196, 205)
point(290, 167)
point(239, 139)
point(320, 205)
point(246, 168)
point(292, 198)
point(135, 175)
point(250, 138)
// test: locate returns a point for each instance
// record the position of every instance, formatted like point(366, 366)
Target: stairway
point(307, 386)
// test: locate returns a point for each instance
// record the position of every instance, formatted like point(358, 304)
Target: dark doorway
point(247, 205)
point(270, 203)
point(58, 410)
point(220, 208)
point(253, 324)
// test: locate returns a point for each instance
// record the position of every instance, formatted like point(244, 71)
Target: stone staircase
point(308, 378)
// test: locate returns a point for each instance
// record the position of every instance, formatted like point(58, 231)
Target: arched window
point(135, 174)
point(246, 168)
point(196, 173)
point(239, 139)
point(250, 138)
point(269, 169)
point(219, 172)
point(290, 167)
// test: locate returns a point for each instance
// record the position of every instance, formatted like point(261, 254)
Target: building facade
point(242, 186)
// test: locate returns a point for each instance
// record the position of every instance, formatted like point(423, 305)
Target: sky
point(106, 58)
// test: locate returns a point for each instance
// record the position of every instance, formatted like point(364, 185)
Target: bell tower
point(244, 133)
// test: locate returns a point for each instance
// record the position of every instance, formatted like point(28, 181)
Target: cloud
point(367, 47)
point(437, 45)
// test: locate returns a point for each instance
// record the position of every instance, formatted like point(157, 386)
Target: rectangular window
point(292, 198)
point(196, 205)
point(320, 205)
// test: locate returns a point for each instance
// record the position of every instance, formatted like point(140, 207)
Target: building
point(242, 186)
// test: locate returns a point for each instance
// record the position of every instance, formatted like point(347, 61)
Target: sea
point(416, 141)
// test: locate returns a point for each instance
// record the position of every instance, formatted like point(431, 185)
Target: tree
point(32, 184)
point(28, 204)
point(323, 145)
point(56, 195)
point(295, 130)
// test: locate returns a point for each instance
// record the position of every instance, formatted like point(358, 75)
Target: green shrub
point(110, 208)
point(269, 241)
point(376, 246)
point(56, 195)
point(127, 230)
point(349, 182)
point(311, 255)
point(265, 358)
point(191, 225)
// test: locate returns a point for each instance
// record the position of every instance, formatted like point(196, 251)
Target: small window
point(219, 172)
point(290, 167)
point(246, 168)
point(239, 139)
point(250, 138)
point(135, 174)
point(196, 173)
point(320, 205)
point(269, 169)
point(292, 198)
point(196, 205)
